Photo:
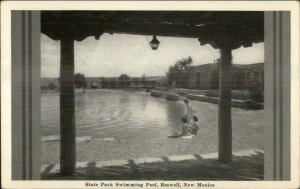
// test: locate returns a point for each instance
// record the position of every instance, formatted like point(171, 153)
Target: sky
point(113, 55)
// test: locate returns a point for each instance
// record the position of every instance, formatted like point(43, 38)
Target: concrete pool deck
point(246, 165)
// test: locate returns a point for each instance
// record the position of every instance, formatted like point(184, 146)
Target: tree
point(177, 72)
point(123, 80)
point(52, 85)
point(79, 80)
point(184, 64)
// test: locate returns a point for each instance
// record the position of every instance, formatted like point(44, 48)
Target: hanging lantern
point(154, 43)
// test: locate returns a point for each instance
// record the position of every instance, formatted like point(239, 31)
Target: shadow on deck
point(249, 167)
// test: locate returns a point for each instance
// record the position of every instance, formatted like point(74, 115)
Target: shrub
point(256, 95)
point(253, 105)
point(239, 95)
point(172, 96)
point(211, 93)
point(181, 93)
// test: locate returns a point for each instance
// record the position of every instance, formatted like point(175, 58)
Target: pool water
point(138, 118)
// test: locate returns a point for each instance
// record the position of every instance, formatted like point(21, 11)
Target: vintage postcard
point(150, 94)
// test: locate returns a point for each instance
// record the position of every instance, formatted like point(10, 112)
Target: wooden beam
point(242, 34)
point(81, 24)
point(67, 109)
point(225, 128)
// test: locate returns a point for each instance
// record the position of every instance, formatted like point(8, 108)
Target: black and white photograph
point(137, 94)
point(150, 94)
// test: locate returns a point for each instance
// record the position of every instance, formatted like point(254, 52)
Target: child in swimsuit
point(194, 125)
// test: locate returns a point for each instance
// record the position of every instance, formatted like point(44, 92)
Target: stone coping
point(54, 168)
point(215, 100)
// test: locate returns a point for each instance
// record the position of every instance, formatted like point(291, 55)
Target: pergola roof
point(230, 29)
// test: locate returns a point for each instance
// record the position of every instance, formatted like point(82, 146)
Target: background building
point(202, 77)
point(206, 77)
point(111, 82)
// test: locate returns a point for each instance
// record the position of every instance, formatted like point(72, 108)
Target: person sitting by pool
point(194, 125)
point(192, 128)
point(186, 130)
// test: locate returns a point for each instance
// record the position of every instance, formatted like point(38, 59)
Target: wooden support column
point(225, 128)
point(67, 109)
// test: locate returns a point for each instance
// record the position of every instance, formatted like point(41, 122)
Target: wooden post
point(67, 109)
point(225, 128)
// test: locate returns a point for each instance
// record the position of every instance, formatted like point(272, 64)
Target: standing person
point(188, 109)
